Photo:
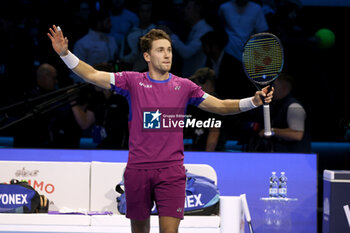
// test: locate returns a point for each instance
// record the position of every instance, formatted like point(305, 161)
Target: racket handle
point(267, 121)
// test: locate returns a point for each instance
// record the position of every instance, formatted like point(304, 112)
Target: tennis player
point(155, 172)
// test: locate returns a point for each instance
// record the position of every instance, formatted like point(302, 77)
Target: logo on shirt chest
point(177, 88)
point(145, 85)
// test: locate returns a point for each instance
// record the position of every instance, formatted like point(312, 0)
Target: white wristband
point(246, 104)
point(70, 60)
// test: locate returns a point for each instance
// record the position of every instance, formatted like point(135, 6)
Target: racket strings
point(263, 58)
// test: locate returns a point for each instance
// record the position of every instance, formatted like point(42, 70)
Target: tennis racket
point(263, 60)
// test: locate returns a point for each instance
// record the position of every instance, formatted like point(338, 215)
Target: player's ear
point(146, 56)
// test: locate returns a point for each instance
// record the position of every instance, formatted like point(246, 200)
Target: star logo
point(151, 120)
point(156, 115)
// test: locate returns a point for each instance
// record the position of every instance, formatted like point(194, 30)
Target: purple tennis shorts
point(164, 186)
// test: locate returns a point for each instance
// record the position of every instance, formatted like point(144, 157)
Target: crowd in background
point(205, 34)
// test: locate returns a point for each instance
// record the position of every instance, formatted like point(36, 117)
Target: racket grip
point(267, 121)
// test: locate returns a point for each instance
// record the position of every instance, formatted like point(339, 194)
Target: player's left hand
point(263, 96)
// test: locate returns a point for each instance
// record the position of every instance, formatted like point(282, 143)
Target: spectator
point(288, 121)
point(230, 78)
point(204, 139)
point(81, 21)
point(191, 51)
point(134, 57)
point(231, 82)
point(241, 19)
point(96, 46)
point(47, 128)
point(122, 20)
point(46, 79)
point(106, 115)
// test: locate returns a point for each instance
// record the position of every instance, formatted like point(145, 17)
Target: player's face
point(160, 56)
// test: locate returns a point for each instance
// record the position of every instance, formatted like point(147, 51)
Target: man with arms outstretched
point(154, 171)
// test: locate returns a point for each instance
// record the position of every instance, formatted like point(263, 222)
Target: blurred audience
point(230, 79)
point(122, 20)
point(191, 51)
point(52, 124)
point(17, 56)
point(130, 52)
point(241, 19)
point(96, 46)
point(46, 79)
point(81, 21)
point(24, 47)
point(105, 116)
point(204, 139)
point(289, 122)
point(231, 82)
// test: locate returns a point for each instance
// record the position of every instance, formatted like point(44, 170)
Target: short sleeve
point(196, 94)
point(119, 82)
point(296, 116)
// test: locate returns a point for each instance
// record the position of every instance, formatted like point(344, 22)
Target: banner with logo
point(65, 184)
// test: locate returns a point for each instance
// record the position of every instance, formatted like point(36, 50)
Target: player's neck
point(159, 76)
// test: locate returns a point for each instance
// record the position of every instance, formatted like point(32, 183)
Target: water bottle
point(282, 188)
point(273, 189)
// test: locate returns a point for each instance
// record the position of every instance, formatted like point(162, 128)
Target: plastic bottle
point(282, 188)
point(273, 189)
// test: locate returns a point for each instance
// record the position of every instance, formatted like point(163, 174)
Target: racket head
point(263, 58)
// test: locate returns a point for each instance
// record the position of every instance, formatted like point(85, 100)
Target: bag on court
point(202, 196)
point(20, 197)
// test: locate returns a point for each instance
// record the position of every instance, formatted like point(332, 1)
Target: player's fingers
point(268, 99)
point(60, 31)
point(262, 93)
point(266, 89)
point(57, 31)
point(49, 35)
point(54, 29)
point(52, 32)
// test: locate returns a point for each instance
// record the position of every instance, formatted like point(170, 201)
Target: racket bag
point(202, 196)
point(20, 197)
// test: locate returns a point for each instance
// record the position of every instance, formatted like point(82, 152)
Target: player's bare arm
point(82, 69)
point(234, 106)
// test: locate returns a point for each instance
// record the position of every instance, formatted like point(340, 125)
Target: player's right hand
point(59, 42)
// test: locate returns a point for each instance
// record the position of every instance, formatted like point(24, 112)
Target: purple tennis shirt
point(156, 110)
